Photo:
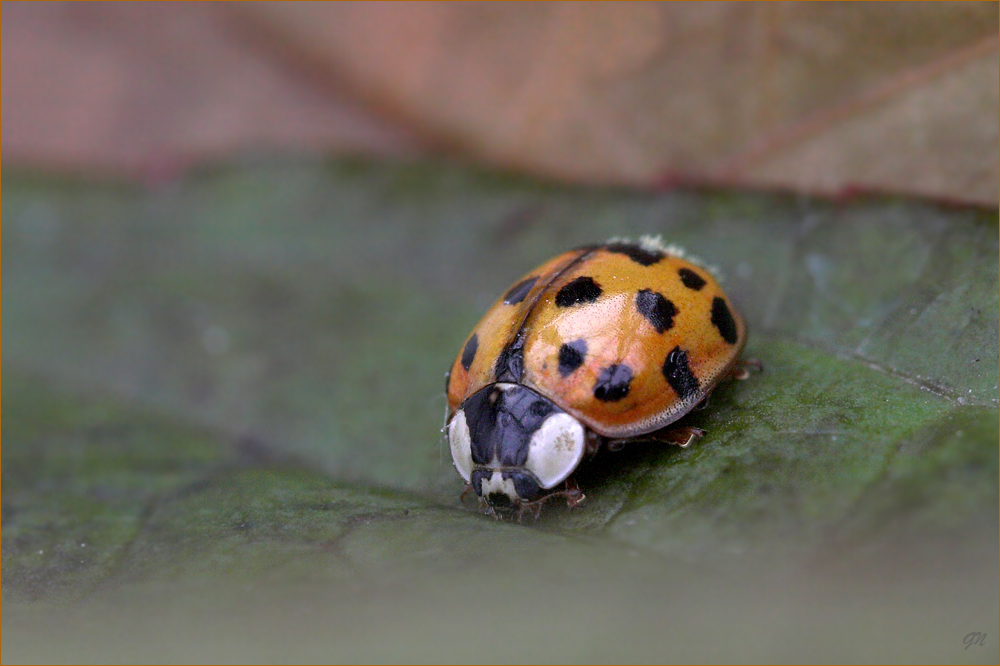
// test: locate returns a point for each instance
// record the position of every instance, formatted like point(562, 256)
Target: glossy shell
point(626, 337)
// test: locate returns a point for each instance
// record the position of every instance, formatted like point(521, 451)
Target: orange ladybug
point(596, 347)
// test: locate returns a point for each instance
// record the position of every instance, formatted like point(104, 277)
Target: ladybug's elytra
point(598, 346)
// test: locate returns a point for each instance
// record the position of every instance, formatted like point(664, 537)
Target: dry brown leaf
point(812, 97)
point(121, 87)
point(815, 97)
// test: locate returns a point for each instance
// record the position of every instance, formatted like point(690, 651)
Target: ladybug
point(599, 346)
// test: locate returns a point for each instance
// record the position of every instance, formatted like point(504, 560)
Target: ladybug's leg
point(594, 442)
point(465, 492)
point(683, 436)
point(616, 445)
point(536, 510)
point(571, 492)
point(741, 369)
point(534, 507)
point(574, 497)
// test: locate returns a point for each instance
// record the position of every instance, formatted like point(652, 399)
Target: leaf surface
point(224, 399)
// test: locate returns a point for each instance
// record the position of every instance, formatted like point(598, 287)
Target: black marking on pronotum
point(636, 253)
point(613, 383)
point(657, 310)
point(510, 362)
point(571, 355)
point(691, 279)
point(722, 319)
point(678, 373)
point(519, 291)
point(581, 290)
point(469, 353)
point(501, 423)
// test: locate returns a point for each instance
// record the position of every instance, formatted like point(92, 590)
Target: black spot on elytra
point(469, 353)
point(678, 373)
point(691, 279)
point(636, 253)
point(571, 356)
point(722, 319)
point(580, 290)
point(447, 380)
point(656, 309)
point(519, 291)
point(613, 383)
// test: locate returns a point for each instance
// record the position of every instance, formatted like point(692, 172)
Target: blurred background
point(245, 240)
point(832, 98)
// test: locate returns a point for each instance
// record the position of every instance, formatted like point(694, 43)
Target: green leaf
point(224, 396)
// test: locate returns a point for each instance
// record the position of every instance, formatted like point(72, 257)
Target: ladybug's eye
point(461, 444)
point(556, 449)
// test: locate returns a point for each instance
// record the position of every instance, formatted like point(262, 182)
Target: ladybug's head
point(512, 444)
